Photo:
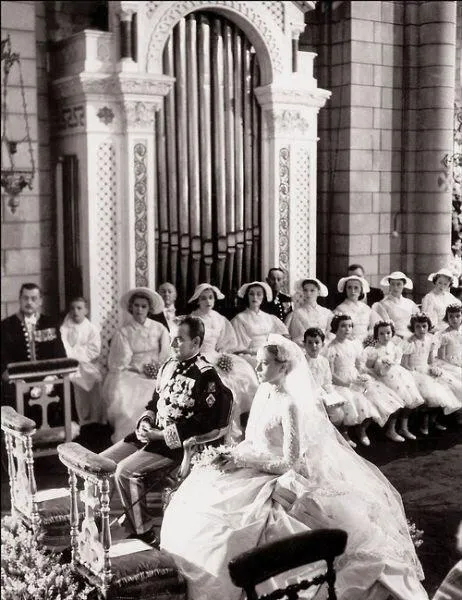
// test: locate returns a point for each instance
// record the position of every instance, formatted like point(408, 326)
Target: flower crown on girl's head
point(420, 317)
point(451, 309)
point(384, 323)
point(337, 319)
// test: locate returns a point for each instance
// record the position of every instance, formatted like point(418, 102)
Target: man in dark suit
point(167, 316)
point(190, 399)
point(281, 304)
point(27, 335)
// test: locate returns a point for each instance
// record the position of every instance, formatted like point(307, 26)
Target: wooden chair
point(128, 568)
point(255, 566)
point(30, 375)
point(46, 512)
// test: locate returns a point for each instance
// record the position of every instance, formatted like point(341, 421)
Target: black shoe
point(148, 537)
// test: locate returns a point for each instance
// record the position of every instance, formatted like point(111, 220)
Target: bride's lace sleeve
point(245, 456)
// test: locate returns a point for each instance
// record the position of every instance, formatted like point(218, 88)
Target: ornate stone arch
point(258, 28)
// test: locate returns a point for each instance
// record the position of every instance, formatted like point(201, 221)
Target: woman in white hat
point(220, 338)
point(137, 350)
point(394, 307)
point(364, 318)
point(309, 314)
point(252, 326)
point(434, 303)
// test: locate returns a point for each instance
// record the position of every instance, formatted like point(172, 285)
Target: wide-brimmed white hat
point(397, 275)
point(342, 283)
point(447, 273)
point(323, 291)
point(155, 298)
point(268, 291)
point(206, 286)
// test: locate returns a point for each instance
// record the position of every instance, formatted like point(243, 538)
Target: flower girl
point(384, 360)
point(319, 366)
point(419, 356)
point(367, 400)
point(353, 288)
point(450, 341)
point(434, 303)
point(309, 314)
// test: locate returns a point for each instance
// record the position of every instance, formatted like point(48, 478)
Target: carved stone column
point(289, 108)
point(141, 98)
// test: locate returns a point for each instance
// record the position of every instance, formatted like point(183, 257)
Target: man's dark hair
point(314, 332)
point(276, 269)
point(356, 266)
point(30, 286)
point(196, 327)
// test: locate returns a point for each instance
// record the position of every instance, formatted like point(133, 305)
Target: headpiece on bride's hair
point(287, 351)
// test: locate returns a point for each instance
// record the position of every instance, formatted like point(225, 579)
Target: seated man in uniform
point(190, 399)
point(281, 304)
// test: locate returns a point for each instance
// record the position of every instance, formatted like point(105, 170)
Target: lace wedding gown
point(214, 516)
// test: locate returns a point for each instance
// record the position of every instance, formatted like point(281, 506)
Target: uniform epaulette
point(203, 364)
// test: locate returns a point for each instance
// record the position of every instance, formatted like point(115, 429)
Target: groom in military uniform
point(190, 399)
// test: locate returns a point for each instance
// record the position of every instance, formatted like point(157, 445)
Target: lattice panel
point(106, 215)
point(277, 11)
point(300, 213)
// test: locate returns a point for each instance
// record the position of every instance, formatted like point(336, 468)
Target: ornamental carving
point(103, 49)
point(284, 189)
point(140, 114)
point(113, 85)
point(151, 9)
point(165, 23)
point(141, 212)
point(106, 115)
point(287, 122)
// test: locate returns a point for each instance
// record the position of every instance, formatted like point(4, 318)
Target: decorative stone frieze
point(140, 115)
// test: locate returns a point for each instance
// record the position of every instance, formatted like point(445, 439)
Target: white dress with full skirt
point(434, 304)
point(436, 391)
point(385, 362)
point(126, 389)
point(214, 516)
point(365, 400)
point(450, 349)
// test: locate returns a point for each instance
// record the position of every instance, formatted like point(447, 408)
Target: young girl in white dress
point(309, 314)
point(252, 326)
point(226, 506)
point(364, 318)
point(82, 341)
point(450, 341)
point(434, 303)
point(394, 307)
point(366, 399)
point(384, 360)
point(136, 352)
point(320, 369)
point(419, 354)
point(220, 339)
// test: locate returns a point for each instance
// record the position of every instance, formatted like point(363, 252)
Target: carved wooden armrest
point(189, 447)
point(84, 461)
point(14, 421)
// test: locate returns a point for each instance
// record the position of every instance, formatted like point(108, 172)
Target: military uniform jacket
point(18, 346)
point(190, 399)
point(280, 306)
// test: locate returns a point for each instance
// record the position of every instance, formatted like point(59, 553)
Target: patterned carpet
point(427, 472)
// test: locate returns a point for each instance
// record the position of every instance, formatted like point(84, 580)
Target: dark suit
point(160, 318)
point(18, 346)
point(190, 399)
point(280, 306)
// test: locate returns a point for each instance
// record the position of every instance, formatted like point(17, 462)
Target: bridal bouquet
point(211, 456)
point(416, 534)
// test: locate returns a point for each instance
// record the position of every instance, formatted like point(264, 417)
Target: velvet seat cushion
point(150, 573)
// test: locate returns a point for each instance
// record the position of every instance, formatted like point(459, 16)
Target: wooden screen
point(208, 159)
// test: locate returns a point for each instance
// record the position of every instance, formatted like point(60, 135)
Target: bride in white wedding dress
point(226, 507)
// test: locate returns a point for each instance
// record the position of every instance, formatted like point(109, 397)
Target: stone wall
point(383, 135)
point(28, 246)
